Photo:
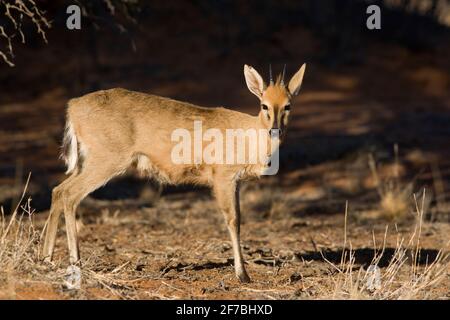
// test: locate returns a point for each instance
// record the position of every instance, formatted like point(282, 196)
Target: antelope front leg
point(227, 195)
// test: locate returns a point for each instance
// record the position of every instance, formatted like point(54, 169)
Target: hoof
point(244, 278)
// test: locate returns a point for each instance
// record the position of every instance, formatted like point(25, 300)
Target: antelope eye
point(287, 107)
point(265, 107)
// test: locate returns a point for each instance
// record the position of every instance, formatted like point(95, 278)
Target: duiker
point(109, 131)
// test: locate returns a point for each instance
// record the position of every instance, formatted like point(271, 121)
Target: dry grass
point(399, 280)
point(19, 245)
point(394, 194)
point(18, 237)
point(405, 276)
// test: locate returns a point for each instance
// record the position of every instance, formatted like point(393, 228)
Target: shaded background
point(363, 91)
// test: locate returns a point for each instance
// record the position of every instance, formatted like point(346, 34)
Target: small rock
point(73, 278)
point(373, 278)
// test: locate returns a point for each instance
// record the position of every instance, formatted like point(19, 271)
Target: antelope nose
point(273, 130)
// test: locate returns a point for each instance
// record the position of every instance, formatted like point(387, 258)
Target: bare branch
point(16, 12)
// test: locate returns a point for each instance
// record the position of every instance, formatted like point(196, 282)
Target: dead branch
point(16, 13)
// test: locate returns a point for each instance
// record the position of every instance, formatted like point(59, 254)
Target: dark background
point(364, 90)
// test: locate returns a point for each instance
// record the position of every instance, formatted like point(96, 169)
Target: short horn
point(282, 75)
point(270, 74)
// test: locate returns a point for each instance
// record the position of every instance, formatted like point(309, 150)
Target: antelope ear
point(254, 81)
point(296, 81)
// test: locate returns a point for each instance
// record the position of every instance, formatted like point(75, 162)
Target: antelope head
point(275, 97)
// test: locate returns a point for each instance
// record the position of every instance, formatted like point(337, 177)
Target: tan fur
point(109, 131)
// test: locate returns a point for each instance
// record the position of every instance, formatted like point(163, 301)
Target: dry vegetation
point(173, 253)
point(353, 282)
point(394, 194)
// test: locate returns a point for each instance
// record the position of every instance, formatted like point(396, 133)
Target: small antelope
point(109, 131)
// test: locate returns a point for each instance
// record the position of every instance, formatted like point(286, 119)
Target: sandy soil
point(179, 248)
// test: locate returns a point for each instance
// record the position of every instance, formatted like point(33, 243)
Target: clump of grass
point(394, 203)
point(19, 244)
point(394, 194)
point(18, 237)
point(399, 279)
